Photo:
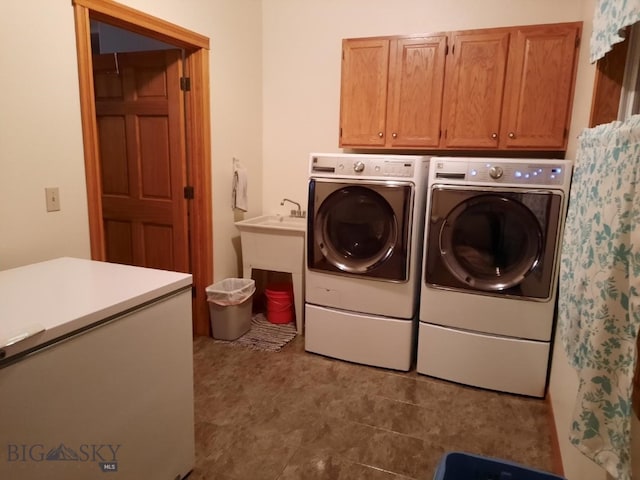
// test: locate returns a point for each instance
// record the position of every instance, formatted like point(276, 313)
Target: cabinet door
point(476, 68)
point(416, 80)
point(539, 86)
point(363, 97)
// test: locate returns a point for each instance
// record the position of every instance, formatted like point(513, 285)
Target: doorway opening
point(197, 141)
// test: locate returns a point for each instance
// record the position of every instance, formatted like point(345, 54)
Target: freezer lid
point(42, 302)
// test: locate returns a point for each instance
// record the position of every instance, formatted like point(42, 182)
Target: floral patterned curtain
point(610, 19)
point(599, 299)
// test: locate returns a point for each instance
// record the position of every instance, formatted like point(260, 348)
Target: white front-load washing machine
point(363, 257)
point(493, 232)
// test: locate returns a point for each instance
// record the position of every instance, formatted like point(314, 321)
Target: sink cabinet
point(505, 88)
point(276, 243)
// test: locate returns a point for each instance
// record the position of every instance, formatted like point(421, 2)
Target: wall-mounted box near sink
point(276, 243)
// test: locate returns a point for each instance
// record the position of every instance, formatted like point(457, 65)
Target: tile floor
point(295, 415)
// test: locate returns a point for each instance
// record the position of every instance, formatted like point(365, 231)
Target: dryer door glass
point(361, 230)
point(491, 242)
point(358, 229)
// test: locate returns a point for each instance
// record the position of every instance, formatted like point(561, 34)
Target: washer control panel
point(489, 171)
point(361, 166)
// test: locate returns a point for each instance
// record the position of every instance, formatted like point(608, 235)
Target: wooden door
point(363, 95)
point(539, 86)
point(476, 67)
point(416, 81)
point(140, 113)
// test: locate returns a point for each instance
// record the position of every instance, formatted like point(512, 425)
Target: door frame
point(198, 134)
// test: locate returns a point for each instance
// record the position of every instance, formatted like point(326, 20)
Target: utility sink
point(276, 243)
point(273, 224)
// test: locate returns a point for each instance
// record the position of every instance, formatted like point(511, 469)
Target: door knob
point(380, 134)
point(512, 135)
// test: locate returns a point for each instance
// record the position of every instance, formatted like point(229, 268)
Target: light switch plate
point(53, 199)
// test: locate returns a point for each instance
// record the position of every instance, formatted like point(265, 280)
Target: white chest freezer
point(96, 372)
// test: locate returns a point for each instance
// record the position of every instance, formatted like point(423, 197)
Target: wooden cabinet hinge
point(185, 84)
point(189, 193)
point(577, 41)
point(446, 50)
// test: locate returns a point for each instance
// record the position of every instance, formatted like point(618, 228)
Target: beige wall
point(40, 133)
point(40, 142)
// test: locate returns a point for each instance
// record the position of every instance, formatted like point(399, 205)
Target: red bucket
point(279, 303)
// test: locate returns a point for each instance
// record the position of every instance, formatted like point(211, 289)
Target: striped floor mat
point(264, 335)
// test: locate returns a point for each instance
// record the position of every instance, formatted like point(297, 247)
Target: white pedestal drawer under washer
point(364, 234)
point(493, 230)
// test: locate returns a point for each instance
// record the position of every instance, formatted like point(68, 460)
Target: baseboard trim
point(556, 455)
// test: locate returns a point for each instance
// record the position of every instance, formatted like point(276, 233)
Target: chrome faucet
point(298, 212)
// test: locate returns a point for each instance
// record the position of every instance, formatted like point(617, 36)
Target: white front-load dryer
point(363, 257)
point(493, 231)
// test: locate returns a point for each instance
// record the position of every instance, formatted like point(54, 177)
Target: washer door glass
point(356, 229)
point(491, 242)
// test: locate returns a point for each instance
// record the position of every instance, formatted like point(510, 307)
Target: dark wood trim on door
point(200, 221)
point(198, 134)
point(139, 22)
point(608, 85)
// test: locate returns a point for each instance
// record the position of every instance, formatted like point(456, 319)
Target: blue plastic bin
point(467, 466)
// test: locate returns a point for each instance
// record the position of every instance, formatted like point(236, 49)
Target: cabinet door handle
point(512, 135)
point(494, 135)
point(380, 134)
point(394, 135)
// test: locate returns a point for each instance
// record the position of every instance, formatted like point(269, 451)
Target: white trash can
point(230, 303)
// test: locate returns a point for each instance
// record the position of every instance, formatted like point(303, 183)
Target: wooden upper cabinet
point(392, 91)
point(363, 98)
point(539, 86)
point(416, 81)
point(476, 68)
point(508, 88)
